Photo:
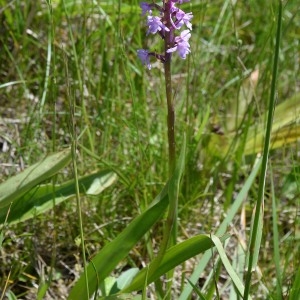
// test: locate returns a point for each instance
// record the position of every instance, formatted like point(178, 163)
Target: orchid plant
point(168, 21)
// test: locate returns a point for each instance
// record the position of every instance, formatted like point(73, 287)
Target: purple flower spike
point(181, 44)
point(144, 57)
point(155, 24)
point(163, 19)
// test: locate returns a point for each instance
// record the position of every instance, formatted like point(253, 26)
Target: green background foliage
point(69, 74)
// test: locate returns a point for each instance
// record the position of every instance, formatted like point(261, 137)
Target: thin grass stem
point(48, 61)
point(50, 85)
point(81, 79)
point(75, 174)
point(78, 204)
point(261, 187)
point(276, 241)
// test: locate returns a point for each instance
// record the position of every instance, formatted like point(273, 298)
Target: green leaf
point(222, 228)
point(107, 285)
point(108, 258)
point(16, 186)
point(258, 237)
point(125, 279)
point(123, 297)
point(285, 130)
point(276, 239)
point(196, 290)
point(174, 256)
point(234, 277)
point(111, 285)
point(285, 127)
point(295, 290)
point(176, 177)
point(43, 198)
point(43, 287)
point(11, 296)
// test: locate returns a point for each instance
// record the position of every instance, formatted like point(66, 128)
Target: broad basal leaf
point(42, 198)
point(16, 186)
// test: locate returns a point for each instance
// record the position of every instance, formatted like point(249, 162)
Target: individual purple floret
point(181, 44)
point(155, 24)
point(144, 57)
point(183, 18)
point(146, 8)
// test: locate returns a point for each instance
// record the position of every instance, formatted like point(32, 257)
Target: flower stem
point(168, 83)
point(170, 228)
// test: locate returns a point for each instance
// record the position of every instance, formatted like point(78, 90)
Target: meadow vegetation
point(70, 79)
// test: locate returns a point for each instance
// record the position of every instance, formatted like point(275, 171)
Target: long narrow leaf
point(234, 277)
point(173, 257)
point(16, 186)
point(295, 290)
point(258, 237)
point(42, 198)
point(276, 243)
point(257, 221)
point(196, 290)
point(170, 229)
point(222, 229)
point(107, 259)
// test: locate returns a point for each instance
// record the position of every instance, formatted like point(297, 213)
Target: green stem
point(262, 180)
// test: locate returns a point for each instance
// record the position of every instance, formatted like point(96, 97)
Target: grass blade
point(261, 188)
point(234, 277)
point(197, 291)
point(276, 242)
point(295, 291)
point(258, 237)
